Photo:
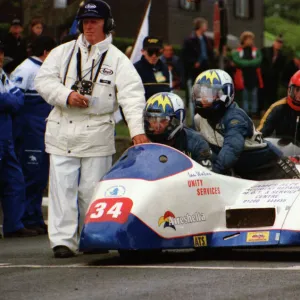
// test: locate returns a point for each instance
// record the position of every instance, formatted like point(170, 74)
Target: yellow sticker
point(200, 241)
point(259, 236)
point(159, 76)
point(234, 122)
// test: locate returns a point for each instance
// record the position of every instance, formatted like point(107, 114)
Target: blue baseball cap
point(94, 9)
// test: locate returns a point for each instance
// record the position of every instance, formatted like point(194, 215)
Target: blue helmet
point(164, 114)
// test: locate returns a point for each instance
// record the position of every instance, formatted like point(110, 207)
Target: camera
point(83, 87)
point(86, 87)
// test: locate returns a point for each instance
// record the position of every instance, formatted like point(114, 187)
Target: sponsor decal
point(32, 158)
point(109, 210)
point(90, 6)
point(200, 241)
point(195, 182)
point(170, 220)
point(208, 191)
point(105, 81)
point(153, 41)
point(115, 191)
point(259, 236)
point(106, 71)
point(192, 174)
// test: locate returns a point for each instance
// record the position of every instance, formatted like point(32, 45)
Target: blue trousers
point(12, 188)
point(35, 166)
point(252, 100)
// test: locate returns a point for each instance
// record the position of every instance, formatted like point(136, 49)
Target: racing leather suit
point(30, 146)
point(194, 145)
point(282, 119)
point(239, 147)
point(81, 140)
point(11, 178)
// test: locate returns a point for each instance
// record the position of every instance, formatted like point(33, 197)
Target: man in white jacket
point(85, 81)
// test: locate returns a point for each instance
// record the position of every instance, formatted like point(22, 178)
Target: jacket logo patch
point(105, 81)
point(106, 71)
point(234, 122)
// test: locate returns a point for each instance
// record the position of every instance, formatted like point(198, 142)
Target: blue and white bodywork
point(156, 197)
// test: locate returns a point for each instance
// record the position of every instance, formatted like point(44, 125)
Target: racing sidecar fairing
point(156, 197)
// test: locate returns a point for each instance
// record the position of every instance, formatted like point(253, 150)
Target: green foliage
point(122, 129)
point(289, 30)
point(286, 9)
point(122, 43)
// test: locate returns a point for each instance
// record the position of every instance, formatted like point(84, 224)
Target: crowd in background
point(257, 73)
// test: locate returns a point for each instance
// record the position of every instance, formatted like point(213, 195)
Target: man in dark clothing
point(197, 51)
point(272, 65)
point(290, 69)
point(174, 65)
point(197, 56)
point(153, 72)
point(15, 46)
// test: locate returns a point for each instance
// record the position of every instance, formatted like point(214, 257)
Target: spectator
point(248, 78)
point(12, 185)
point(197, 51)
point(273, 62)
point(153, 72)
point(290, 69)
point(174, 65)
point(15, 46)
point(80, 128)
point(36, 29)
point(30, 134)
point(197, 56)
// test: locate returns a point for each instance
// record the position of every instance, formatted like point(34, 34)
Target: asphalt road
point(29, 271)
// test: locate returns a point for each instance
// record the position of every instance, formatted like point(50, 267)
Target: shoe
point(62, 252)
point(23, 232)
point(38, 229)
point(45, 227)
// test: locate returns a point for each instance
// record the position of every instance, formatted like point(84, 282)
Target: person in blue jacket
point(232, 136)
point(12, 187)
point(164, 115)
point(30, 126)
point(153, 72)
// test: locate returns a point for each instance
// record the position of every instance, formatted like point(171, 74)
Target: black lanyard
point(98, 70)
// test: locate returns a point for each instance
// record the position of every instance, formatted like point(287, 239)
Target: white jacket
point(85, 132)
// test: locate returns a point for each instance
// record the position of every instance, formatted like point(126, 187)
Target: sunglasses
point(153, 51)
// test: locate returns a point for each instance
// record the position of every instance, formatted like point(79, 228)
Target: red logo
point(109, 210)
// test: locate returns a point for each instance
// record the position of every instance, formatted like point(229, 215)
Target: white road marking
point(216, 268)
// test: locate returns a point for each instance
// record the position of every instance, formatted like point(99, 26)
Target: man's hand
point(140, 139)
point(77, 100)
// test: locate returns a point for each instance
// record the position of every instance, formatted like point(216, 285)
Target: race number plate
point(200, 241)
point(109, 210)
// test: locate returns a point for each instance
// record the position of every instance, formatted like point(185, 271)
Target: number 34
point(114, 211)
point(109, 210)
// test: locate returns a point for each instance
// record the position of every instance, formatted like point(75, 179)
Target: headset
point(109, 23)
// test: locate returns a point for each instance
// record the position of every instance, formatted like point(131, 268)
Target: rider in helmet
point(283, 116)
point(164, 115)
point(231, 133)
